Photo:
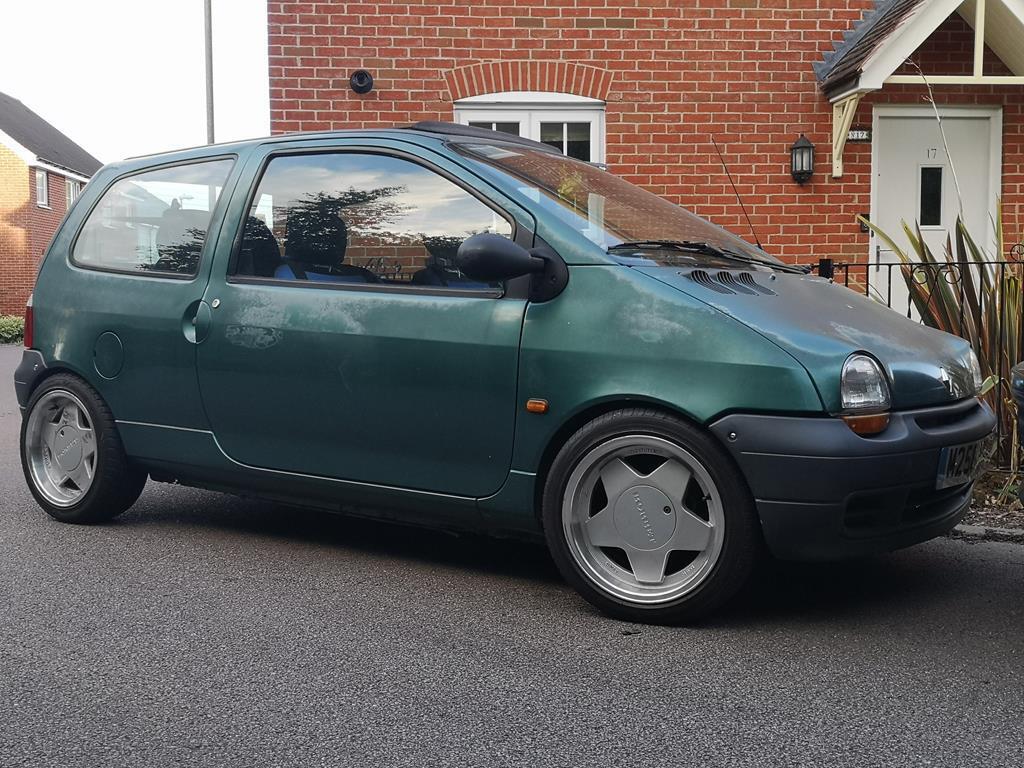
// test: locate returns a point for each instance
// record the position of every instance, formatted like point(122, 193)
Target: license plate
point(958, 464)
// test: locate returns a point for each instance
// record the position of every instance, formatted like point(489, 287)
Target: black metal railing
point(888, 282)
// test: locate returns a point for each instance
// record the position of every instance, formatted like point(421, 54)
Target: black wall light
point(361, 81)
point(801, 159)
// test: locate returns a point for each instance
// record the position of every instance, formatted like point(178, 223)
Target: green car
point(453, 327)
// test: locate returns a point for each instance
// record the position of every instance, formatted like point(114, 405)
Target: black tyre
point(649, 519)
point(72, 455)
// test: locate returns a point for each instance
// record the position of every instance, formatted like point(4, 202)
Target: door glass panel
point(931, 197)
point(512, 128)
point(577, 142)
point(553, 134)
point(154, 221)
point(509, 127)
point(361, 218)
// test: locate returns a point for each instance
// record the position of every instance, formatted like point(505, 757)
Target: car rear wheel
point(72, 455)
point(648, 518)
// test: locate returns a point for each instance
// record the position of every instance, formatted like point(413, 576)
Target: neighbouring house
point(645, 86)
point(42, 171)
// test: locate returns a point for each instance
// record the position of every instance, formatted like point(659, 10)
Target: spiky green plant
point(962, 293)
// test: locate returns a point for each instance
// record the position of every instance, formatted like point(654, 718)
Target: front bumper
point(823, 492)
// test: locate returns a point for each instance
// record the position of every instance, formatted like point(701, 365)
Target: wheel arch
point(56, 369)
point(588, 413)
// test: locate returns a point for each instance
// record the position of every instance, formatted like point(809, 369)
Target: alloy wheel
point(643, 519)
point(60, 448)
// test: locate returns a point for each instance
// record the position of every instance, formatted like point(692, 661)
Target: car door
point(344, 343)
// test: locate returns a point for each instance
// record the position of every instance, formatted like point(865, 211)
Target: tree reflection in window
point(155, 221)
point(351, 217)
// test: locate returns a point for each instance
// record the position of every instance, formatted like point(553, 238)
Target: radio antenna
point(737, 193)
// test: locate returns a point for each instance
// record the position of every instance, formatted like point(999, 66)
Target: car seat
point(315, 249)
point(260, 254)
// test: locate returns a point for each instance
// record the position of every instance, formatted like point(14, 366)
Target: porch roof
point(887, 35)
point(876, 46)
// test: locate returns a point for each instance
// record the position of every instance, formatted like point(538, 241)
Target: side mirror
point(489, 258)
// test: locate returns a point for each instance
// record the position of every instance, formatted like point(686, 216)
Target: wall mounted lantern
point(801, 159)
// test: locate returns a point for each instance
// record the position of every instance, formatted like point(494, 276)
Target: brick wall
point(672, 75)
point(25, 228)
point(15, 239)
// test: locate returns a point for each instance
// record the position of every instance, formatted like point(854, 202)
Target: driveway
point(201, 629)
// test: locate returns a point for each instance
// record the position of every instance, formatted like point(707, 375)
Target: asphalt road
point(201, 629)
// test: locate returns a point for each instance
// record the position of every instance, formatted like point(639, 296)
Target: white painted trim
point(1015, 7)
point(995, 176)
point(956, 80)
point(60, 171)
point(903, 41)
point(529, 97)
point(979, 37)
point(847, 94)
point(27, 157)
point(30, 159)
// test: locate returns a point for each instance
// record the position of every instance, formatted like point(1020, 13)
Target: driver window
point(361, 218)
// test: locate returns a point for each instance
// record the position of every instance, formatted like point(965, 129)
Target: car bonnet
point(821, 324)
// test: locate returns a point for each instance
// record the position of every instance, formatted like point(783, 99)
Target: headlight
point(975, 366)
point(864, 385)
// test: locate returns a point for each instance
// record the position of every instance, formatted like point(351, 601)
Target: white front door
point(914, 183)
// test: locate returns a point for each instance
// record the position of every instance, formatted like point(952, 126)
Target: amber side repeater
point(536, 405)
point(869, 424)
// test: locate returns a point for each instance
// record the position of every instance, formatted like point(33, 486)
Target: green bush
point(12, 329)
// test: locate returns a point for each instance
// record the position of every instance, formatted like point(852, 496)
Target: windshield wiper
point(706, 248)
point(693, 246)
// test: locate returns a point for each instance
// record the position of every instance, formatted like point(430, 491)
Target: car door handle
point(196, 322)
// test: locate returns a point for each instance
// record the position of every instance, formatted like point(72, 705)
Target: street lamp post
point(209, 69)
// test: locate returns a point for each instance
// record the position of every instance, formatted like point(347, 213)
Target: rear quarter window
point(153, 222)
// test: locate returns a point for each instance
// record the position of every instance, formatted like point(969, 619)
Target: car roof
point(442, 132)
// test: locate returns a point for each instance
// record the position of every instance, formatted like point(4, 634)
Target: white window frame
point(42, 188)
point(530, 109)
point(72, 189)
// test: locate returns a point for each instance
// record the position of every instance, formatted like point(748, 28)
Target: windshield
point(607, 210)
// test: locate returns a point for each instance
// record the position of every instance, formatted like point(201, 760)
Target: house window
point(572, 124)
point(71, 190)
point(42, 189)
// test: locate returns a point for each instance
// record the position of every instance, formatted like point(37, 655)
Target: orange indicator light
point(867, 425)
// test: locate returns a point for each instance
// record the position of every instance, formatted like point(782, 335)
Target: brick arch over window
point(545, 76)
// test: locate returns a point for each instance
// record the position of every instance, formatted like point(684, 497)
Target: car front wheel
point(648, 518)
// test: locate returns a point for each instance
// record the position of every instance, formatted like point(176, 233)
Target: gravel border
point(985, 533)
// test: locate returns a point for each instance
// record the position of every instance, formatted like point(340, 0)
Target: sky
point(127, 77)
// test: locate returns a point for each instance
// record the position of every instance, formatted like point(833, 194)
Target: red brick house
point(645, 85)
point(41, 172)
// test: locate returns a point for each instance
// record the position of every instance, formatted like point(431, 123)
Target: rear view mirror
point(493, 258)
point(489, 258)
